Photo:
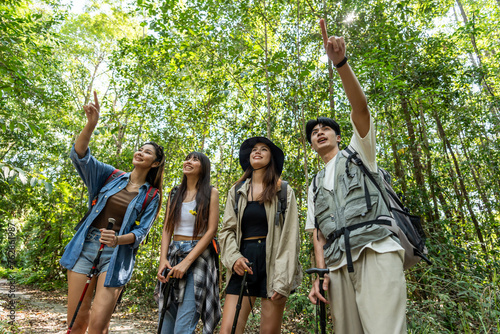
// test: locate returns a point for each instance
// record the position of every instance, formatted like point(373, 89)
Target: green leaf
point(23, 177)
point(49, 187)
point(5, 170)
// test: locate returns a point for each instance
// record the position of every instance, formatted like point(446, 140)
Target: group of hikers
point(259, 238)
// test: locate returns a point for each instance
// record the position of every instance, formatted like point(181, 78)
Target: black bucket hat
point(276, 153)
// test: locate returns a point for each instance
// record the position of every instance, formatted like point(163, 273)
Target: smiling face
point(192, 166)
point(324, 139)
point(260, 156)
point(145, 157)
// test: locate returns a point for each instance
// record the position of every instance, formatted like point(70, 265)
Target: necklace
point(134, 184)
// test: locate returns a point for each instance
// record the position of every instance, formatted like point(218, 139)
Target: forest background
point(205, 75)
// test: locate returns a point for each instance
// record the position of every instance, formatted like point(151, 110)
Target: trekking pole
point(322, 306)
point(240, 298)
point(165, 291)
point(93, 271)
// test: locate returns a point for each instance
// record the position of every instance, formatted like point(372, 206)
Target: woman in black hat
point(255, 231)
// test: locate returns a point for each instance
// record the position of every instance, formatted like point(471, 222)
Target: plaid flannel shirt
point(206, 286)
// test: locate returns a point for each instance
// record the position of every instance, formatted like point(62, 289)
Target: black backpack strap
point(353, 156)
point(172, 193)
point(315, 188)
point(346, 231)
point(282, 195)
point(171, 196)
point(355, 159)
point(237, 197)
point(115, 174)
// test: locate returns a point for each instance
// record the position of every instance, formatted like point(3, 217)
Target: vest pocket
point(321, 203)
point(322, 206)
point(349, 183)
point(356, 209)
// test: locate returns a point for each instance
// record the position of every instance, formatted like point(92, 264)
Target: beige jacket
point(282, 244)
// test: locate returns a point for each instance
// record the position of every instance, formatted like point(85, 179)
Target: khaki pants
point(372, 299)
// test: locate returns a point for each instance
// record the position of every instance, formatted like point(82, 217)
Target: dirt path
point(37, 312)
point(45, 312)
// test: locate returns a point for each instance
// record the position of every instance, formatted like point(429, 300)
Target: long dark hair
point(272, 181)
point(203, 193)
point(155, 174)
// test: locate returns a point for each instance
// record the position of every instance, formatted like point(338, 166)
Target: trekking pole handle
point(320, 271)
point(111, 222)
point(249, 264)
point(166, 271)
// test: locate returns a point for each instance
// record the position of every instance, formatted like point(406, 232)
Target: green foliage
point(205, 75)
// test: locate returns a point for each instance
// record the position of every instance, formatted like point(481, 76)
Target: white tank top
point(187, 220)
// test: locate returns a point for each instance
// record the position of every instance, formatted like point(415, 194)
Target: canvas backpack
point(405, 226)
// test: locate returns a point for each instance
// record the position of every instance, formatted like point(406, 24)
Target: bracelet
point(115, 243)
point(342, 63)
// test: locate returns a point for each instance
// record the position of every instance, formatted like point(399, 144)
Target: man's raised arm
point(335, 49)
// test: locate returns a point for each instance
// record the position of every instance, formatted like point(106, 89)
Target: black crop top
point(254, 220)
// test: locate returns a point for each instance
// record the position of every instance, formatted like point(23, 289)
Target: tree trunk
point(119, 138)
point(479, 64)
point(302, 130)
point(493, 167)
point(138, 137)
point(268, 120)
point(465, 195)
point(434, 214)
point(417, 165)
point(479, 184)
point(398, 166)
point(444, 205)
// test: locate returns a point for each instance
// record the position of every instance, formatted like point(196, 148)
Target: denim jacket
point(94, 174)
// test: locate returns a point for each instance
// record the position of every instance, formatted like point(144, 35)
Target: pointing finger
point(322, 24)
point(96, 101)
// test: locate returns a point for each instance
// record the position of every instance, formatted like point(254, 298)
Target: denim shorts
point(89, 252)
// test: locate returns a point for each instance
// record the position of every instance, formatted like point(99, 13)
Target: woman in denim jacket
point(191, 221)
point(121, 199)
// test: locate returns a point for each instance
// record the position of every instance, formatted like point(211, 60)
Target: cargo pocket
point(356, 208)
point(321, 205)
point(350, 183)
